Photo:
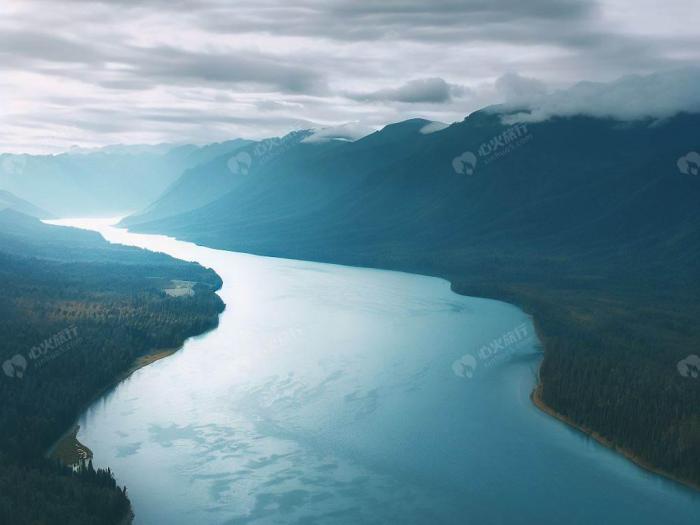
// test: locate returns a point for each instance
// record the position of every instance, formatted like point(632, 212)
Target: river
point(338, 395)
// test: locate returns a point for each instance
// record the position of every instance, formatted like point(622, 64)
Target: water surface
point(335, 395)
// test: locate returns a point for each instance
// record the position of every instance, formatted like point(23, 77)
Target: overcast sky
point(90, 73)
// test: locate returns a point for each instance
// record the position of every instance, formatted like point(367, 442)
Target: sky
point(94, 72)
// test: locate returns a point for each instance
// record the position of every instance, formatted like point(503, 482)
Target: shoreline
point(68, 444)
point(69, 450)
point(536, 399)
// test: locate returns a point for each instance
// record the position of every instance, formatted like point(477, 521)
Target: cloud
point(420, 91)
point(516, 89)
point(173, 71)
point(433, 127)
point(34, 45)
point(147, 66)
point(350, 131)
point(176, 65)
point(632, 97)
point(438, 20)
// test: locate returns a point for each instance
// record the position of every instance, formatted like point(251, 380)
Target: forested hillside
point(71, 325)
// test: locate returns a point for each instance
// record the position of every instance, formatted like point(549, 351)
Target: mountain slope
point(608, 186)
point(222, 171)
point(12, 202)
point(105, 181)
point(589, 224)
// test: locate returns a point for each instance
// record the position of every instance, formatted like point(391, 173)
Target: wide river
point(337, 395)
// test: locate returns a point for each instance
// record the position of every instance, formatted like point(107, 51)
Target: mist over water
point(331, 394)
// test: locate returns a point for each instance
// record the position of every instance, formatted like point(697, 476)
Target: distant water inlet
point(337, 395)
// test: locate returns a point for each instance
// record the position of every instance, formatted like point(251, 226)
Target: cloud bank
point(348, 132)
point(632, 97)
point(96, 72)
point(420, 91)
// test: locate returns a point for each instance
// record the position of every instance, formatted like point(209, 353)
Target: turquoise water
point(336, 395)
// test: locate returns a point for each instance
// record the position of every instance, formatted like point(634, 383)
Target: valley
point(602, 250)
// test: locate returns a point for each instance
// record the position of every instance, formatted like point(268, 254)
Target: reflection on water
point(331, 395)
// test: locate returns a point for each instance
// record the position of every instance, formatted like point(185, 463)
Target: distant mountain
point(216, 175)
point(105, 181)
point(592, 225)
point(607, 193)
point(12, 202)
point(27, 237)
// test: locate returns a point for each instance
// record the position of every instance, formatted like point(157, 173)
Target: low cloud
point(632, 97)
point(348, 132)
point(420, 91)
point(516, 89)
point(433, 127)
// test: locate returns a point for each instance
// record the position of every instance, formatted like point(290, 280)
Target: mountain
point(106, 181)
point(12, 202)
point(27, 236)
point(592, 225)
point(598, 190)
point(214, 176)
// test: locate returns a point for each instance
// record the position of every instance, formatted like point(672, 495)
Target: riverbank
point(536, 398)
point(111, 299)
point(68, 449)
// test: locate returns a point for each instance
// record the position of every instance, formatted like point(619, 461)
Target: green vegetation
point(610, 363)
point(69, 450)
point(78, 326)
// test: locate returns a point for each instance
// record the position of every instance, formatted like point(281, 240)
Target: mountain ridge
point(11, 201)
point(104, 182)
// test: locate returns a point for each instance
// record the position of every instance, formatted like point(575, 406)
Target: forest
point(69, 330)
point(613, 340)
point(611, 363)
